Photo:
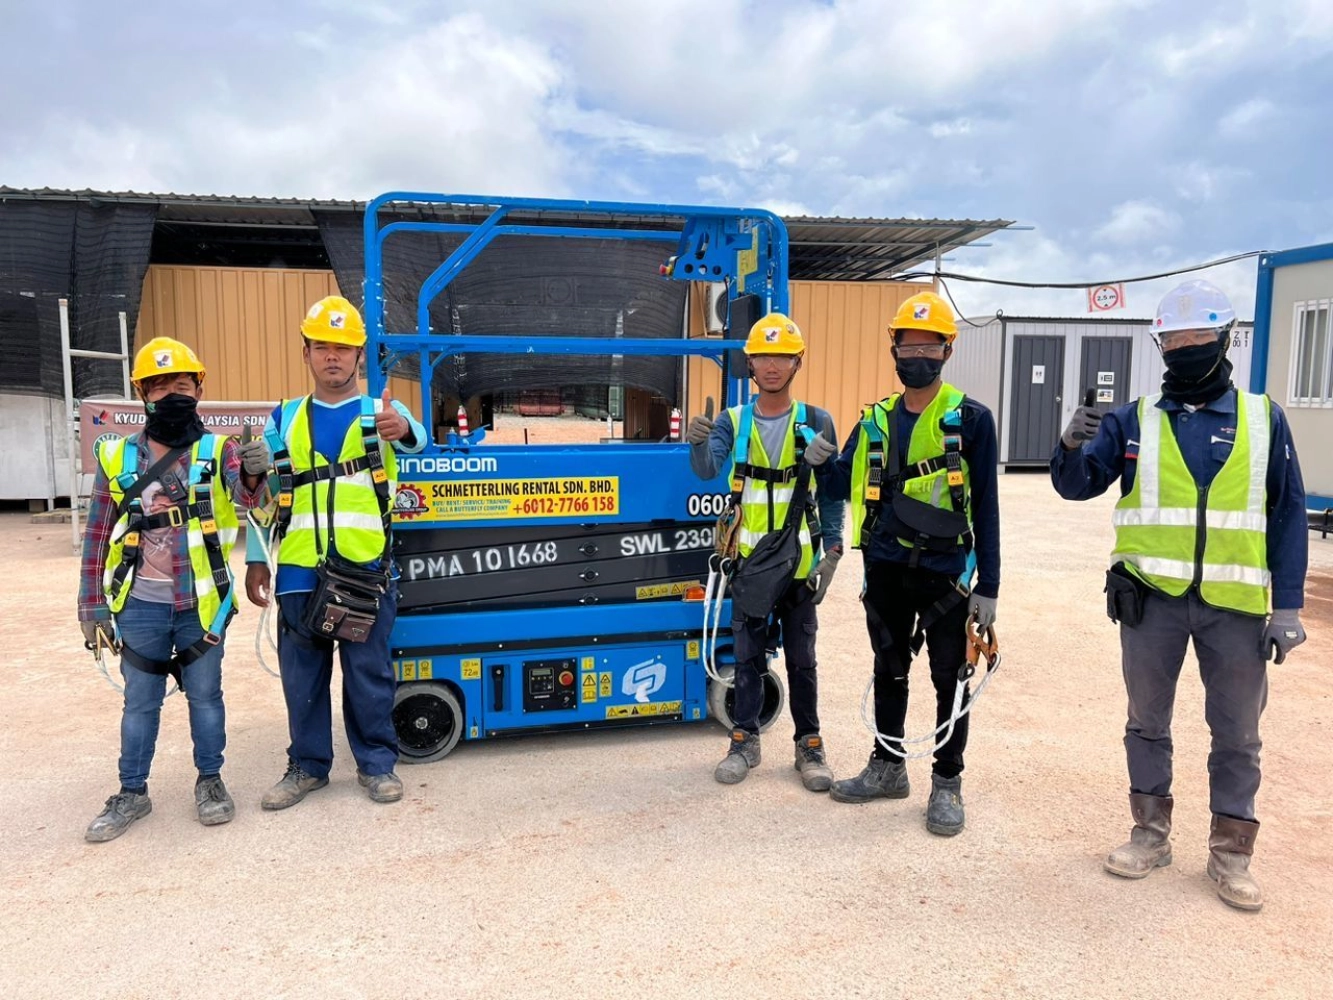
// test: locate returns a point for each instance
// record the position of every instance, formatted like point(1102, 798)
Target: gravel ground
point(612, 864)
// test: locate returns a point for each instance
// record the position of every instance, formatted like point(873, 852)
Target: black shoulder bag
point(346, 600)
point(764, 575)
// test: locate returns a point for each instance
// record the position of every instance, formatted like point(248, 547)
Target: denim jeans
point(156, 631)
point(368, 685)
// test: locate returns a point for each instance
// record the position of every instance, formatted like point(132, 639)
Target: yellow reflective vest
point(1175, 536)
point(765, 486)
point(210, 521)
point(357, 519)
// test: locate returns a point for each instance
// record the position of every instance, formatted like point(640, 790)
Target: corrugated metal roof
point(821, 249)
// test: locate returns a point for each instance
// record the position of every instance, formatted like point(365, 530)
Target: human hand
point(701, 427)
point(389, 423)
point(1283, 633)
point(258, 583)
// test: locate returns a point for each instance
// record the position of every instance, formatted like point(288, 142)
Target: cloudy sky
point(1134, 135)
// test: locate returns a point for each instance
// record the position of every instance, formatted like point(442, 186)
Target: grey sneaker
point(212, 801)
point(387, 787)
point(944, 812)
point(742, 754)
point(815, 773)
point(881, 779)
point(295, 785)
point(121, 810)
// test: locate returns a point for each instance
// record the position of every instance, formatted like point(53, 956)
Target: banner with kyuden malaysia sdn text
point(100, 419)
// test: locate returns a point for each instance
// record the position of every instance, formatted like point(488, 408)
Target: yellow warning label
point(407, 670)
point(425, 671)
point(747, 261)
point(589, 663)
point(657, 590)
point(604, 684)
point(472, 733)
point(635, 711)
point(472, 670)
point(589, 688)
point(464, 500)
point(692, 650)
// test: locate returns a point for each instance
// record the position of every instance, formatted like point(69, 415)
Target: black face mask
point(917, 373)
point(172, 420)
point(1197, 374)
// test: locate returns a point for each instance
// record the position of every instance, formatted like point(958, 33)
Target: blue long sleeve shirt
point(331, 421)
point(1205, 436)
point(981, 452)
point(715, 455)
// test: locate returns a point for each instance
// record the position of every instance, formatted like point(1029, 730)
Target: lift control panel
point(548, 685)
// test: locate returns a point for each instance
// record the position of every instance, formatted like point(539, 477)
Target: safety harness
point(925, 531)
point(203, 470)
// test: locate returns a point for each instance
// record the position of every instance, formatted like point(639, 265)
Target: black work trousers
point(895, 597)
point(796, 618)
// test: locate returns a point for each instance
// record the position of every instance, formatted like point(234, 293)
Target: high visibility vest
point(362, 478)
point(211, 524)
point(1175, 536)
point(764, 487)
point(936, 472)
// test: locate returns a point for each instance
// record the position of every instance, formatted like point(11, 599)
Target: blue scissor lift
point(544, 586)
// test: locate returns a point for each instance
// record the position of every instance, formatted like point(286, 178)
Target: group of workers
point(1210, 547)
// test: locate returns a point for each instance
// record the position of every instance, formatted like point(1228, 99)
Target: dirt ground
point(612, 864)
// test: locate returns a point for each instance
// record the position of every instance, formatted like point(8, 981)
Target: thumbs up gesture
point(701, 427)
point(820, 449)
point(389, 423)
point(253, 452)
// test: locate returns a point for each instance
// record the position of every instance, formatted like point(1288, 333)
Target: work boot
point(1230, 844)
point(815, 773)
point(1149, 843)
point(295, 785)
point(944, 811)
point(742, 754)
point(881, 779)
point(212, 801)
point(121, 810)
point(387, 787)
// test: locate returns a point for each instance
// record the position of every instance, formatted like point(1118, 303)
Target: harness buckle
point(174, 517)
point(212, 638)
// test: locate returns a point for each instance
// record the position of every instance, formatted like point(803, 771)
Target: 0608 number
point(706, 504)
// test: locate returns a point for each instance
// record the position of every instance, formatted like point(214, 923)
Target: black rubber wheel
point(428, 719)
point(722, 700)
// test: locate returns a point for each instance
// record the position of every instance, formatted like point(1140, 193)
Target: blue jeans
point(156, 631)
point(306, 664)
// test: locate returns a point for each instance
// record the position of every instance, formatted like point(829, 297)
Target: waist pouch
point(912, 519)
point(1124, 596)
point(345, 601)
point(763, 576)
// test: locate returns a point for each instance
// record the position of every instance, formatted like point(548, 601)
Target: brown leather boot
point(1149, 843)
point(1230, 844)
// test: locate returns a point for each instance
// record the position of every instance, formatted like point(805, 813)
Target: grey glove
point(983, 610)
point(99, 633)
point(1083, 426)
point(255, 458)
point(819, 583)
point(1282, 634)
point(820, 450)
point(701, 427)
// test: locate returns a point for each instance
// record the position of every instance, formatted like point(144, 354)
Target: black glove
point(1282, 634)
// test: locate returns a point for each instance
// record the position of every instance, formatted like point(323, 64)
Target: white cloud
point(1243, 119)
point(1137, 222)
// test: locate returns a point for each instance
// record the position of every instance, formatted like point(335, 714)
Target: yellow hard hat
point(926, 311)
point(164, 356)
point(775, 334)
point(334, 320)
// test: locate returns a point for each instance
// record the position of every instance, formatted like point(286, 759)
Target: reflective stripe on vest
point(927, 443)
point(764, 505)
point(119, 459)
point(357, 522)
point(1157, 524)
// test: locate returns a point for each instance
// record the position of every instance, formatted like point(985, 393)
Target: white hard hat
point(1195, 305)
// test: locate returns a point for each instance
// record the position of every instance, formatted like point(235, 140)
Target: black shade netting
point(526, 286)
point(95, 257)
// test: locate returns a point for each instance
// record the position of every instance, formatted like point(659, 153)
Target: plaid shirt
point(102, 519)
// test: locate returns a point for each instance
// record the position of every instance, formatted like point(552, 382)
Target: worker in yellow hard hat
point(789, 541)
point(336, 473)
point(155, 582)
point(920, 470)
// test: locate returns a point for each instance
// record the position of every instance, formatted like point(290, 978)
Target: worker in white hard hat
point(1210, 547)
